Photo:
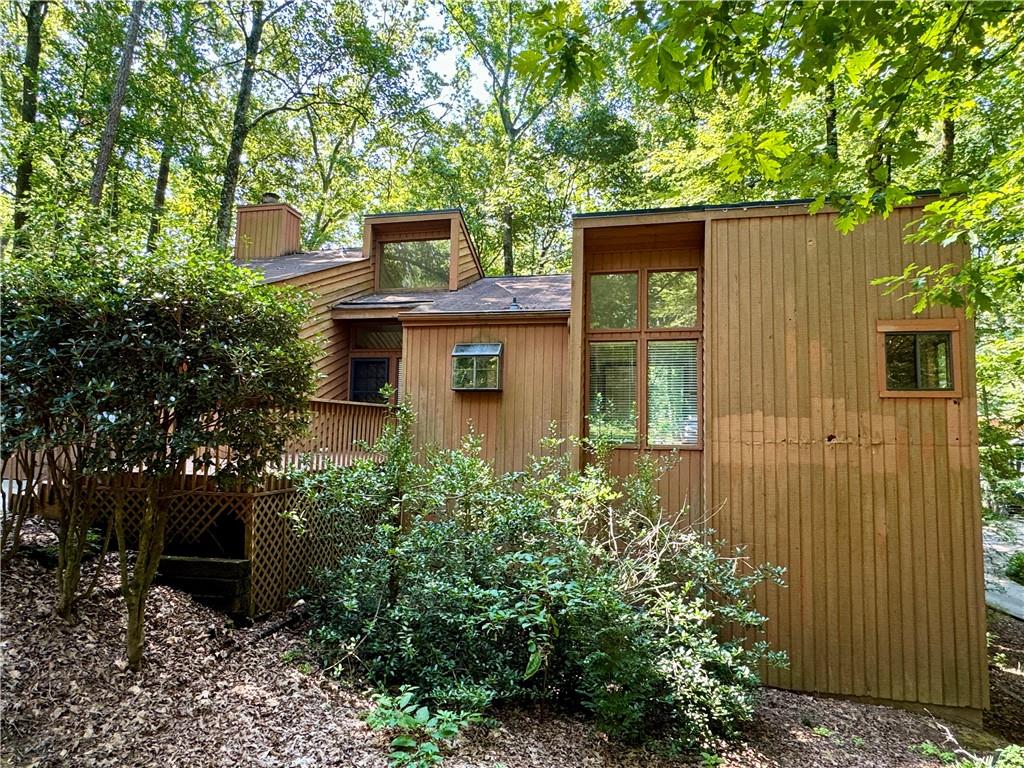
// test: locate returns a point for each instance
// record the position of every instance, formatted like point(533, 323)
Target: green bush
point(553, 584)
point(1015, 567)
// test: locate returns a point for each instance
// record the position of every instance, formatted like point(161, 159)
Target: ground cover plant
point(554, 585)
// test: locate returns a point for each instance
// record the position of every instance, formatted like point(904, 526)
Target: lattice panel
point(191, 514)
point(289, 538)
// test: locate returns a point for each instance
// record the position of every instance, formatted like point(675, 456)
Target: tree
point(131, 38)
point(34, 18)
point(497, 35)
point(167, 358)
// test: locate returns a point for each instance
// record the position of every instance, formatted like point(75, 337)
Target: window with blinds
point(612, 391)
point(673, 369)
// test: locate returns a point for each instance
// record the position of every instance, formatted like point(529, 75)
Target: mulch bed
point(215, 695)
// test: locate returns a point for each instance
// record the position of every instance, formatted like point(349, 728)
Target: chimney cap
point(270, 198)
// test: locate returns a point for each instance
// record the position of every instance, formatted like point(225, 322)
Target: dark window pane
point(918, 361)
point(672, 373)
point(900, 357)
point(613, 300)
point(612, 395)
point(672, 299)
point(934, 358)
point(417, 264)
point(368, 375)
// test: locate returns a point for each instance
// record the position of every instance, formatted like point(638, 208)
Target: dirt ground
point(213, 695)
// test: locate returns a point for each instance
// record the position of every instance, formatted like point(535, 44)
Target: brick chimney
point(267, 230)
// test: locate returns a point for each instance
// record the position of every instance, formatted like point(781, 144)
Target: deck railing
point(340, 432)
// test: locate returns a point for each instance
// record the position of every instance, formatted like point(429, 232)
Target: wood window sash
point(641, 335)
point(952, 326)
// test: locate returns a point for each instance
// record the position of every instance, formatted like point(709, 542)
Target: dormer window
point(415, 265)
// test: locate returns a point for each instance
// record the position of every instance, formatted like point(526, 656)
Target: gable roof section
point(298, 264)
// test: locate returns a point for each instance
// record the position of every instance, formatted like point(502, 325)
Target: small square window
point(476, 366)
point(918, 358)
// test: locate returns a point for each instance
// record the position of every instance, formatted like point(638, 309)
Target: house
point(816, 420)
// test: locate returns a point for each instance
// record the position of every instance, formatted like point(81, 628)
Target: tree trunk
point(239, 126)
point(831, 132)
point(506, 240)
point(131, 37)
point(159, 195)
point(29, 108)
point(948, 147)
point(136, 582)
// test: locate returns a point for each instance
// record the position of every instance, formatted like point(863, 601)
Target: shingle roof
point(295, 264)
point(390, 299)
point(531, 293)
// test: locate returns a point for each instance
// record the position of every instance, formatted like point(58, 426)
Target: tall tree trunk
point(131, 37)
point(506, 240)
point(239, 126)
point(159, 195)
point(29, 108)
point(831, 132)
point(948, 147)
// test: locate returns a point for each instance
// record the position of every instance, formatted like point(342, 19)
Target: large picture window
point(644, 358)
point(415, 265)
point(613, 300)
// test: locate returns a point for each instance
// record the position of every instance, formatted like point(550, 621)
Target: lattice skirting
point(287, 539)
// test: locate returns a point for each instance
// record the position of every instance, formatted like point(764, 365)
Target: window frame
point(641, 334)
point(952, 326)
point(501, 366)
point(394, 358)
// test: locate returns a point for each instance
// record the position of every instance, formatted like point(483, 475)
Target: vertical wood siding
point(512, 422)
point(266, 231)
point(330, 286)
point(871, 503)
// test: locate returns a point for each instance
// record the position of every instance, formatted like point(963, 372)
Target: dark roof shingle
point(530, 293)
point(296, 264)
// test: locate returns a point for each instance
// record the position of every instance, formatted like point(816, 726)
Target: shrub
point(552, 584)
point(1015, 567)
point(122, 362)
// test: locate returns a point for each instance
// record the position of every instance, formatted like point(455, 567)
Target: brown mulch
point(215, 695)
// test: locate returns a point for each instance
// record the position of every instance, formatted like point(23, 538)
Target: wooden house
point(817, 421)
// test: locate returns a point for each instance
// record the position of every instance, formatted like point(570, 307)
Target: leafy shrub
point(1015, 567)
point(551, 584)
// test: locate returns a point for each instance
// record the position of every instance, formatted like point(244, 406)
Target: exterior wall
point(871, 503)
point(330, 286)
point(513, 421)
point(267, 231)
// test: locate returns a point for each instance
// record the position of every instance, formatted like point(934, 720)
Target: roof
point(530, 293)
point(296, 264)
point(409, 298)
point(721, 206)
point(425, 212)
